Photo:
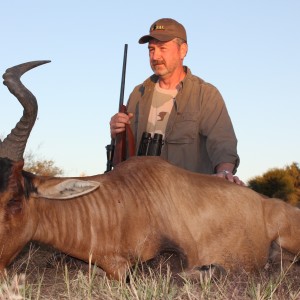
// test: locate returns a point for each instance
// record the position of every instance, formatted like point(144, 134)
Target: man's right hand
point(117, 123)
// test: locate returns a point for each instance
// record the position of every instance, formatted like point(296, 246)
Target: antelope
point(141, 209)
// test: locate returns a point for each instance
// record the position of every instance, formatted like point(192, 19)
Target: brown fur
point(146, 207)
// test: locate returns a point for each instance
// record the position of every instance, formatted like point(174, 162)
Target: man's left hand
point(230, 177)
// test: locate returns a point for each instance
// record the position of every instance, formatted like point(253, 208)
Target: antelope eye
point(12, 202)
point(14, 205)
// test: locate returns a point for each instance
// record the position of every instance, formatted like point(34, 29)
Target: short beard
point(158, 72)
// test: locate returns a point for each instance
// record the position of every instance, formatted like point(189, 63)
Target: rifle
point(116, 150)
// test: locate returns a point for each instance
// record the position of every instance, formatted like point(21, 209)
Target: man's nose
point(156, 54)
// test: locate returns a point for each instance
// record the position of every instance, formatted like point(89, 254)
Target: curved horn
point(13, 145)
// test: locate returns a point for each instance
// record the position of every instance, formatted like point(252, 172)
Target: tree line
point(282, 183)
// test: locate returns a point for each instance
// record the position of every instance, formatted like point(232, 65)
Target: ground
point(43, 273)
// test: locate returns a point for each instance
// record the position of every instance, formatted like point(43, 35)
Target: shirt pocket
point(184, 129)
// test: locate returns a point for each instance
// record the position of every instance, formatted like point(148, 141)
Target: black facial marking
point(5, 172)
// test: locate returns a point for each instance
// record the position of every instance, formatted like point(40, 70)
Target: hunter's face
point(165, 57)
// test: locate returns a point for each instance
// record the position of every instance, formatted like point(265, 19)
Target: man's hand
point(224, 170)
point(117, 123)
point(230, 177)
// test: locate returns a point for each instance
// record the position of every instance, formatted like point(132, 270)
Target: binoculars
point(150, 146)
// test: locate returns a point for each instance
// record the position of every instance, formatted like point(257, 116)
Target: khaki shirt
point(199, 133)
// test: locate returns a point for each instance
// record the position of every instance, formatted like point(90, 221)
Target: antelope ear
point(65, 189)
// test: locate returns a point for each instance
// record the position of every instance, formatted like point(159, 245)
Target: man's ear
point(183, 50)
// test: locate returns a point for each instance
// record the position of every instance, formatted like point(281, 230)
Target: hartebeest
point(142, 208)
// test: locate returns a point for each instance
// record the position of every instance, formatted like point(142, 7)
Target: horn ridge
point(14, 144)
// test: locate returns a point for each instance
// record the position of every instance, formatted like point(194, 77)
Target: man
point(189, 112)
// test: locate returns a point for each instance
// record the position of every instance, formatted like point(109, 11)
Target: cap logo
point(158, 27)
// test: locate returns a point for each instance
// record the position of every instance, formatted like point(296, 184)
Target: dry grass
point(37, 274)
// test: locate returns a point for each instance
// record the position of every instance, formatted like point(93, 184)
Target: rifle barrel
point(110, 149)
point(123, 77)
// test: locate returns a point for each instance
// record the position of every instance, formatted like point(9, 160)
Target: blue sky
point(250, 50)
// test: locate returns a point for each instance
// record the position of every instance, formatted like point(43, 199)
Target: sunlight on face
point(165, 57)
